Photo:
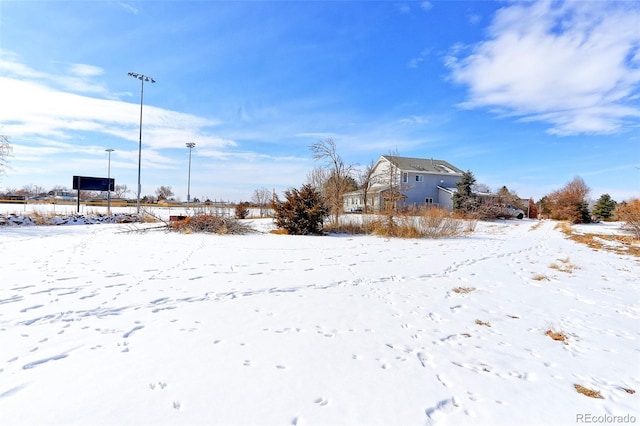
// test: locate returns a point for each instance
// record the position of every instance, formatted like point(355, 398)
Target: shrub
point(302, 213)
point(209, 223)
point(437, 223)
point(242, 210)
point(533, 209)
point(629, 213)
point(424, 223)
point(569, 203)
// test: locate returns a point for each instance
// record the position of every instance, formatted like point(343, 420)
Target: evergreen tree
point(605, 207)
point(302, 213)
point(583, 212)
point(464, 201)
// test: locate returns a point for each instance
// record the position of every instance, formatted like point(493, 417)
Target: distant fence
point(218, 208)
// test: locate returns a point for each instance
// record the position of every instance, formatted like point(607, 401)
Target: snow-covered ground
point(103, 326)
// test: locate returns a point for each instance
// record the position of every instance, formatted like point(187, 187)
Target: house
point(407, 182)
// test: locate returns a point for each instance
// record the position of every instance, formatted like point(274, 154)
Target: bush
point(242, 210)
point(424, 223)
point(569, 203)
point(209, 223)
point(302, 213)
point(629, 213)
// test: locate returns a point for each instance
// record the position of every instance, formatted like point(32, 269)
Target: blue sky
point(523, 94)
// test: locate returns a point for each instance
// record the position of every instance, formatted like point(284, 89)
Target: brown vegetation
point(621, 244)
point(424, 223)
point(564, 265)
point(557, 335)
point(210, 224)
point(588, 392)
point(463, 290)
point(569, 202)
point(540, 277)
point(629, 213)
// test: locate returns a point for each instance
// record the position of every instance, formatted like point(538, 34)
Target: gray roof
point(423, 165)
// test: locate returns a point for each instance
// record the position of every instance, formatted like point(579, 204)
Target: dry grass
point(147, 218)
point(42, 218)
point(346, 228)
point(486, 324)
point(588, 392)
point(557, 336)
point(536, 226)
point(463, 290)
point(621, 244)
point(540, 277)
point(279, 231)
point(565, 265)
point(422, 223)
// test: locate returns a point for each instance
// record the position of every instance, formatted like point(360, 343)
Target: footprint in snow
point(321, 401)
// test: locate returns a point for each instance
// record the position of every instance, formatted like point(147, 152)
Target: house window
point(428, 200)
point(419, 178)
point(405, 177)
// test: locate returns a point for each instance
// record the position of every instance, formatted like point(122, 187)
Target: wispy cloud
point(128, 7)
point(39, 111)
point(416, 61)
point(574, 65)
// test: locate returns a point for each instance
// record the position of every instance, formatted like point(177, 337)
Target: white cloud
point(426, 6)
point(85, 70)
point(573, 65)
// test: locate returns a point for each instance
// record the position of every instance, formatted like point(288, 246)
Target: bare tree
point(393, 195)
point(262, 198)
point(339, 179)
point(366, 178)
point(33, 190)
point(164, 193)
point(120, 190)
point(318, 178)
point(5, 152)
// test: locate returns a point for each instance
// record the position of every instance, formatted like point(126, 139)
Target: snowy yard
point(102, 326)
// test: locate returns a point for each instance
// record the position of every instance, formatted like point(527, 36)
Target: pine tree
point(604, 207)
point(464, 201)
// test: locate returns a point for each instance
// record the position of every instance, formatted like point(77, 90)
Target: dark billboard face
point(86, 183)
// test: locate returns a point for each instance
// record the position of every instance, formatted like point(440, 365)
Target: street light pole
point(109, 150)
point(142, 79)
point(190, 145)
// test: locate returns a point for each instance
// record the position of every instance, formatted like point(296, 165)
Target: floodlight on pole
point(190, 145)
point(142, 79)
point(109, 150)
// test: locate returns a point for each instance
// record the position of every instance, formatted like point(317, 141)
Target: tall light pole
point(142, 79)
point(109, 150)
point(190, 145)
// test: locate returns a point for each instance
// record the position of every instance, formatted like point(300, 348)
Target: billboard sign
point(87, 183)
